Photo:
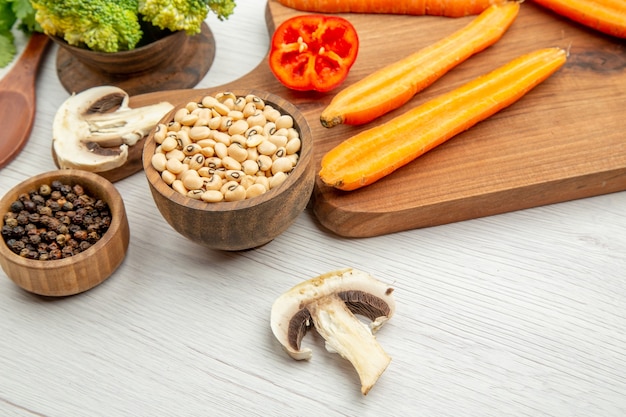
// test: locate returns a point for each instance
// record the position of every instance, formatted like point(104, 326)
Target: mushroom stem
point(350, 338)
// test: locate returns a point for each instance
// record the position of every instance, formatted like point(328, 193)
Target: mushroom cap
point(93, 129)
point(363, 295)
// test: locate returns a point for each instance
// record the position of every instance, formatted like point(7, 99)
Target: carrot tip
point(329, 122)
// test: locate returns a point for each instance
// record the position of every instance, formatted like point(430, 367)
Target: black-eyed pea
point(214, 122)
point(193, 181)
point(280, 153)
point(285, 121)
point(238, 139)
point(266, 148)
point(209, 101)
point(272, 114)
point(221, 137)
point(294, 158)
point(253, 154)
point(195, 194)
point(279, 140)
point(187, 159)
point(225, 96)
point(238, 127)
point(240, 102)
point(173, 126)
point(221, 109)
point(212, 196)
point(235, 193)
point(205, 172)
point(237, 152)
point(293, 146)
point(220, 172)
point(249, 109)
point(226, 123)
point(282, 132)
point(221, 150)
point(196, 162)
point(264, 181)
point(206, 142)
point(213, 162)
point(247, 181)
point(282, 164)
point(192, 149)
point(182, 136)
point(265, 163)
point(234, 175)
point(277, 179)
point(159, 162)
point(250, 167)
point(235, 114)
point(175, 166)
point(169, 143)
point(256, 119)
point(214, 182)
point(269, 129)
point(192, 106)
point(231, 163)
point(254, 140)
point(292, 133)
point(168, 177)
point(197, 133)
point(258, 102)
point(190, 119)
point(207, 151)
point(255, 190)
point(179, 187)
point(160, 132)
point(175, 154)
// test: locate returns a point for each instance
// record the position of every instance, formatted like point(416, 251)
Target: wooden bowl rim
point(114, 200)
point(306, 156)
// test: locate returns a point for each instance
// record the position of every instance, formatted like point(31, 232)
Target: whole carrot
point(377, 152)
point(447, 8)
point(395, 84)
point(606, 16)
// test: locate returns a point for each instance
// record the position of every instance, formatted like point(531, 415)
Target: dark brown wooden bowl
point(237, 225)
point(84, 270)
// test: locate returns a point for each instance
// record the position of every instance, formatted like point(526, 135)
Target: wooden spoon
point(17, 99)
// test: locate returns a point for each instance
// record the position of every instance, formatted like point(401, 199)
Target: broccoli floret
point(186, 15)
point(100, 25)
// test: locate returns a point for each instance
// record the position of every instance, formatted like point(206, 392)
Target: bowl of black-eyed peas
point(63, 232)
point(231, 170)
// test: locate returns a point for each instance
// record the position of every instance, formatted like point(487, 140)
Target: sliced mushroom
point(330, 303)
point(92, 130)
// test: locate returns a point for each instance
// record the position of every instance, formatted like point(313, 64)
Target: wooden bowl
point(237, 225)
point(84, 270)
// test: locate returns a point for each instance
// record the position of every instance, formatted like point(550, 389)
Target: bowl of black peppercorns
point(63, 232)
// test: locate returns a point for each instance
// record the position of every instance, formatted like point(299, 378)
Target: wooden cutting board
point(564, 140)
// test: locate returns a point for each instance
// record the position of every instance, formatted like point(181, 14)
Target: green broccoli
point(186, 15)
point(100, 25)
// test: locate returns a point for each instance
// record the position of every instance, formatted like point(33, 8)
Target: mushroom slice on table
point(331, 303)
point(92, 130)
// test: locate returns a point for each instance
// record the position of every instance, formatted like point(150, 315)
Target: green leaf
point(7, 49)
point(7, 16)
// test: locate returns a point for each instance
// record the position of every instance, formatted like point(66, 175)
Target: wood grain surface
point(562, 141)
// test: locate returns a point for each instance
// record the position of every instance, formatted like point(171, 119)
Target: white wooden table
point(521, 314)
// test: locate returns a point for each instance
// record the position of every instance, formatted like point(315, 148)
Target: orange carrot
point(447, 8)
point(374, 153)
point(395, 84)
point(606, 16)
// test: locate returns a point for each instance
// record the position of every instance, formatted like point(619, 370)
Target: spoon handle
point(18, 88)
